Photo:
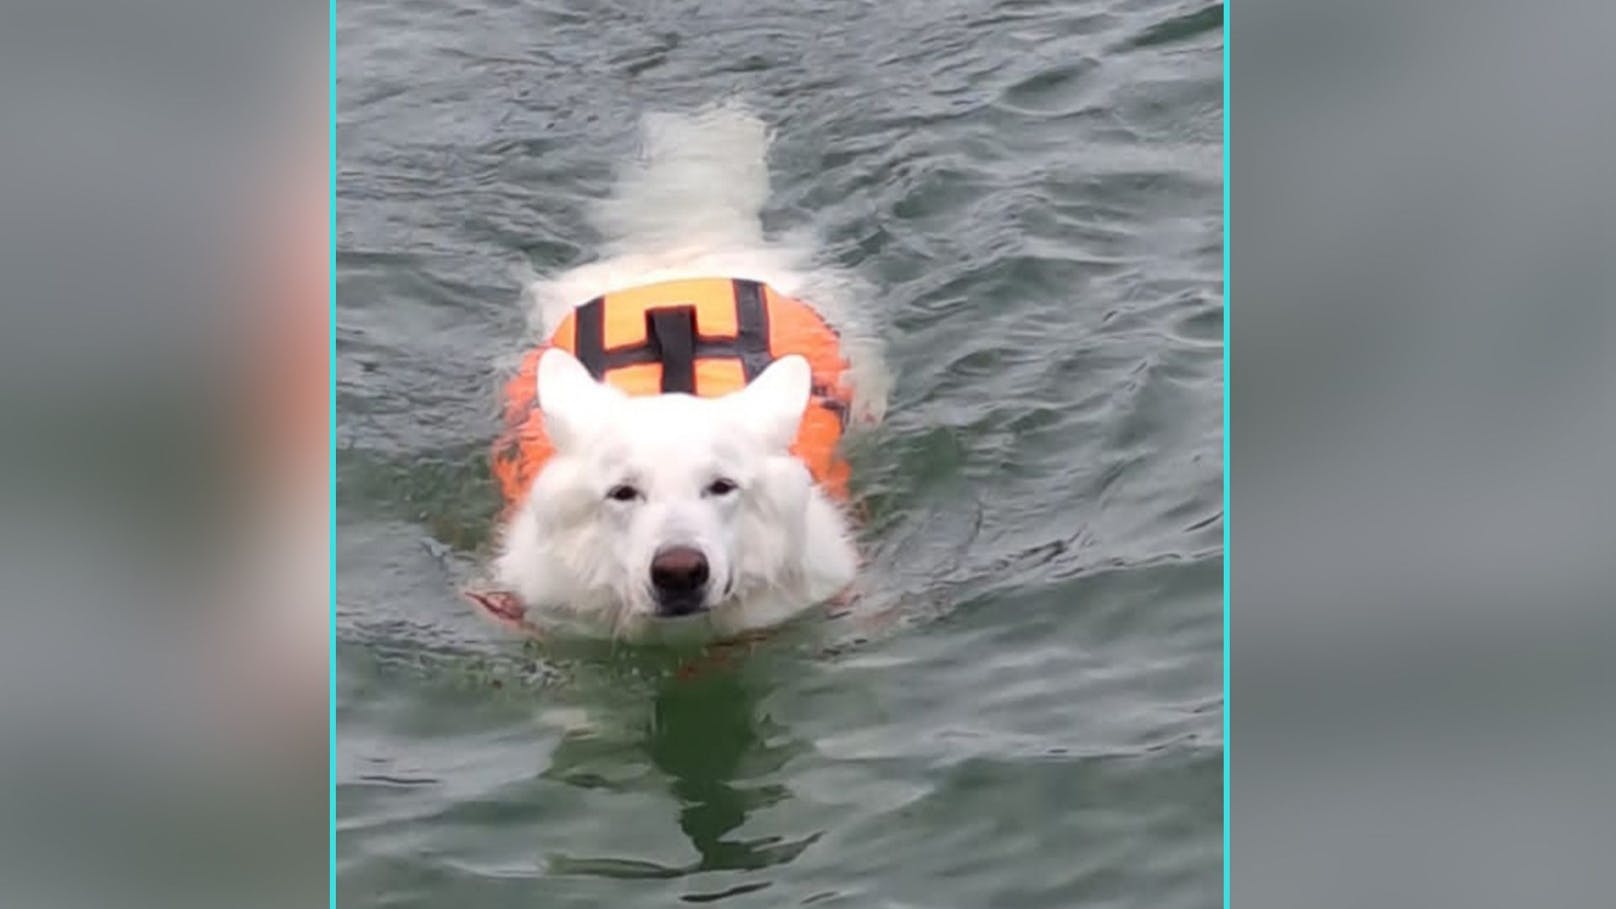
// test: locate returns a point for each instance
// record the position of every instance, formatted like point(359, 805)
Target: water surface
point(1033, 191)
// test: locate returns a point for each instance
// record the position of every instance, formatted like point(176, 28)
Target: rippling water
point(1033, 191)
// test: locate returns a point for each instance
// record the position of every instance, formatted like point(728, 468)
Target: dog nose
point(679, 574)
point(679, 569)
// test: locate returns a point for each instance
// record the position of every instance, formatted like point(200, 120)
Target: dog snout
point(679, 574)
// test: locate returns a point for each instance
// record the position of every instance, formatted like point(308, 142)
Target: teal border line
point(331, 373)
point(1226, 454)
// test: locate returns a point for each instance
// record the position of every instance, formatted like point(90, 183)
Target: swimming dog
point(669, 461)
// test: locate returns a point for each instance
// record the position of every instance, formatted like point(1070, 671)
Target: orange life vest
point(703, 336)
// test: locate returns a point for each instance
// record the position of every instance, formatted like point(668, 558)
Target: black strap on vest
point(751, 328)
point(672, 339)
point(590, 343)
point(671, 332)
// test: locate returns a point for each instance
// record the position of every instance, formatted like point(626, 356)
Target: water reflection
point(713, 748)
point(709, 737)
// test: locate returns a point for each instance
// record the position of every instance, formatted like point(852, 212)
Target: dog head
point(662, 506)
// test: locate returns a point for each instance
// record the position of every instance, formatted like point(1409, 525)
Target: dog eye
point(722, 486)
point(623, 492)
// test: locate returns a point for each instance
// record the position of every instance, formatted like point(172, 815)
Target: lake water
point(1033, 192)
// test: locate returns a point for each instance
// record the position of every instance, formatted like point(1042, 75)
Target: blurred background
point(1421, 387)
point(164, 542)
point(1422, 391)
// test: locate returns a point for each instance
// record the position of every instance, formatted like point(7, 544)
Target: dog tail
point(699, 183)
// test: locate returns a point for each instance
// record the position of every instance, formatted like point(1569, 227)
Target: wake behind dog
point(670, 459)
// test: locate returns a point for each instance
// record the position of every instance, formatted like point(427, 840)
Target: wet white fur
point(774, 545)
point(690, 207)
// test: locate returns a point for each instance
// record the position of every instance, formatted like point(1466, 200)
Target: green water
point(1033, 716)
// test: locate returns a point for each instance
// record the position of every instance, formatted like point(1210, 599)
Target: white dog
point(689, 506)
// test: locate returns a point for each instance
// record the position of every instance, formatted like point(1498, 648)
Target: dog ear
point(569, 397)
point(774, 401)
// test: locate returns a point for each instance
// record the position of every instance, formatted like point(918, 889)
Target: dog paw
point(503, 608)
